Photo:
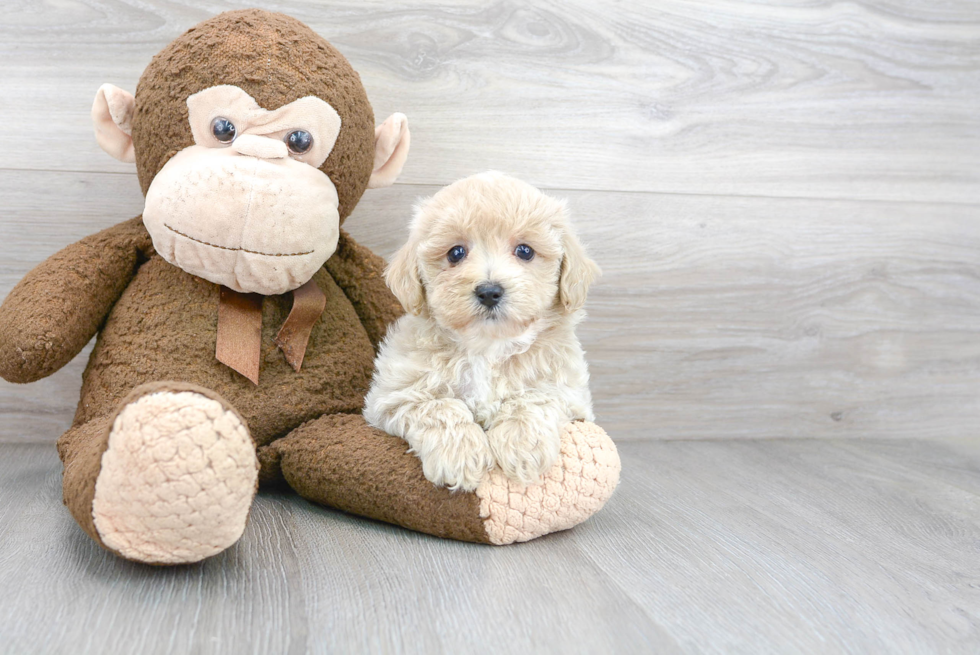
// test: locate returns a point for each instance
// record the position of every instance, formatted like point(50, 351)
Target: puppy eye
point(456, 254)
point(524, 252)
point(223, 130)
point(299, 141)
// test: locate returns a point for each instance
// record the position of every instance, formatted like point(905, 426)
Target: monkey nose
point(262, 147)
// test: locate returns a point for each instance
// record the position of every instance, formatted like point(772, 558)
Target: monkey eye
point(456, 254)
point(223, 130)
point(299, 141)
point(524, 252)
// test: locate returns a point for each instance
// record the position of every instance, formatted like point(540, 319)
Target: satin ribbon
point(239, 344)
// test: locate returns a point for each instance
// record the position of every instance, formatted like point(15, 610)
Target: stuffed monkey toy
point(237, 322)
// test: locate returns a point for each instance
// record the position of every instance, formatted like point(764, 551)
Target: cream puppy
point(485, 368)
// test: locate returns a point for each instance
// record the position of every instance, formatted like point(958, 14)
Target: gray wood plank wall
point(783, 196)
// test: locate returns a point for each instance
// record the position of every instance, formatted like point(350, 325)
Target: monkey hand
point(58, 307)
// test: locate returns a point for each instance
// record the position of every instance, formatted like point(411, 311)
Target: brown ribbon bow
point(240, 328)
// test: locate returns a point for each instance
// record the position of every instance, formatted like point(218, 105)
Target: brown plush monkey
point(237, 323)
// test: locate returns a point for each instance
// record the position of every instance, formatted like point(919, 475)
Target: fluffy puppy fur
point(471, 386)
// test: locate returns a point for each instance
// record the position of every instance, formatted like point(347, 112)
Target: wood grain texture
point(714, 547)
point(873, 99)
point(715, 317)
point(784, 199)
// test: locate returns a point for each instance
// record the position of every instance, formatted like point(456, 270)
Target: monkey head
point(253, 140)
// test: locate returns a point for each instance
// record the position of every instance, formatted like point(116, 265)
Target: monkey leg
point(340, 461)
point(168, 479)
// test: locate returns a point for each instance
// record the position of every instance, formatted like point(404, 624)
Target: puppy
point(485, 368)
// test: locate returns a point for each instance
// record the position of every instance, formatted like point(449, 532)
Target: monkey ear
point(402, 277)
point(578, 272)
point(112, 114)
point(391, 140)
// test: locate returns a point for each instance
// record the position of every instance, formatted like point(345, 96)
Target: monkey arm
point(360, 273)
point(52, 313)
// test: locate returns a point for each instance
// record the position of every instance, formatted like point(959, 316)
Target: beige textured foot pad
point(575, 488)
point(177, 479)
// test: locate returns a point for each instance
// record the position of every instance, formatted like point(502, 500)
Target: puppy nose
point(259, 146)
point(489, 294)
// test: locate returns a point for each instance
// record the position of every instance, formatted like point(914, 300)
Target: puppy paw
point(457, 457)
point(524, 450)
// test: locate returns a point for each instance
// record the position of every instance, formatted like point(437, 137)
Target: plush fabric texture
point(253, 225)
point(226, 101)
point(164, 327)
point(112, 115)
point(393, 141)
point(80, 450)
point(177, 478)
point(342, 462)
point(361, 274)
point(575, 488)
point(162, 457)
point(57, 308)
point(275, 59)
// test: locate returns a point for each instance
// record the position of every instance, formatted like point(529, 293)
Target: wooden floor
point(785, 200)
point(778, 546)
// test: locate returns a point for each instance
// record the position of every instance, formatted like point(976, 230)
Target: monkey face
point(253, 139)
point(246, 205)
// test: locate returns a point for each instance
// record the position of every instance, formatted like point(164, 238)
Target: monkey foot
point(177, 478)
point(575, 488)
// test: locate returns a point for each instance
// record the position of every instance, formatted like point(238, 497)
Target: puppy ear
point(578, 272)
point(402, 276)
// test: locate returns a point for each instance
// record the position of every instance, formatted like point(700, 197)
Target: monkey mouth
point(251, 252)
